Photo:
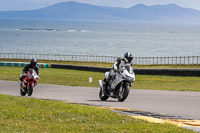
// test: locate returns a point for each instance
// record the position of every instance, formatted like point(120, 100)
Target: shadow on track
point(102, 101)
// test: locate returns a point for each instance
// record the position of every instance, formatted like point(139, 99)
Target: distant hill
point(80, 11)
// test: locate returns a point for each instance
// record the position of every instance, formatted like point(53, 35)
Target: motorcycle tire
point(126, 90)
point(30, 91)
point(102, 95)
point(22, 93)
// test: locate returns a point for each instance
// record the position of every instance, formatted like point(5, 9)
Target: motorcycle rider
point(32, 65)
point(117, 67)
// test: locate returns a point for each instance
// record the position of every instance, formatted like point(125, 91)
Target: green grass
point(19, 114)
point(55, 76)
point(81, 78)
point(102, 64)
point(172, 83)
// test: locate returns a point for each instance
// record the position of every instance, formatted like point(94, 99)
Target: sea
point(101, 38)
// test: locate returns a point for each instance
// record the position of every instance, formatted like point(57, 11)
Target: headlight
point(29, 76)
point(129, 78)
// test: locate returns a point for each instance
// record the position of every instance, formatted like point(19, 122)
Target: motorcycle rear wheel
point(102, 95)
point(30, 90)
point(125, 93)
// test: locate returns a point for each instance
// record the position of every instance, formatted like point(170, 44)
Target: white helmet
point(128, 57)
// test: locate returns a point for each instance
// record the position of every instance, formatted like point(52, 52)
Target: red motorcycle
point(29, 82)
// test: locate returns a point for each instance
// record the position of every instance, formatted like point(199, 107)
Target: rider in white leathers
point(117, 67)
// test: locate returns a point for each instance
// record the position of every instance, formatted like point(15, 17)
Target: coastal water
point(99, 38)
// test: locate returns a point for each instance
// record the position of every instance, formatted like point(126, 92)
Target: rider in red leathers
point(32, 65)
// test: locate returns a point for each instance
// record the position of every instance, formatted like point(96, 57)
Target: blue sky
point(6, 5)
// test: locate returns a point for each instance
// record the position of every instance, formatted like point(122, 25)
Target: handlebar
point(118, 71)
point(25, 74)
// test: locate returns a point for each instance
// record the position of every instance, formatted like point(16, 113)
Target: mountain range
point(80, 11)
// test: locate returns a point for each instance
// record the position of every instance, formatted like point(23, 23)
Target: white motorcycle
point(119, 86)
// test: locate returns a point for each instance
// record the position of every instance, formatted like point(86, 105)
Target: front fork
point(29, 83)
point(121, 89)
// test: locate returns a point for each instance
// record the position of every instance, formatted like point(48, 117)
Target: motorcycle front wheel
point(30, 90)
point(102, 95)
point(22, 92)
point(122, 95)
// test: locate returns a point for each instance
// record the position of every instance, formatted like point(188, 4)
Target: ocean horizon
point(99, 38)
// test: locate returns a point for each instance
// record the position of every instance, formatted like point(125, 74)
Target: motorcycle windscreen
point(129, 68)
point(32, 72)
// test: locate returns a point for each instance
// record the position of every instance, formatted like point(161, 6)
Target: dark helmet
point(128, 57)
point(33, 62)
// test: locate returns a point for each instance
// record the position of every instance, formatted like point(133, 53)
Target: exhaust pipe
point(100, 84)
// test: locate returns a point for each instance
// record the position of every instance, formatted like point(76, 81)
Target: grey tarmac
point(174, 103)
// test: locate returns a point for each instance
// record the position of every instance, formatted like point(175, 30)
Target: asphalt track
point(183, 108)
point(174, 103)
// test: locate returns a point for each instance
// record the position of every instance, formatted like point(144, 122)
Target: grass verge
point(81, 78)
point(20, 114)
point(103, 64)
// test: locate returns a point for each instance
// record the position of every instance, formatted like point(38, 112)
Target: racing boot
point(20, 81)
point(105, 81)
point(104, 86)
